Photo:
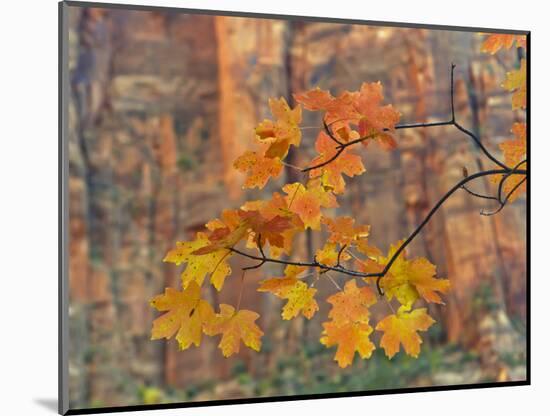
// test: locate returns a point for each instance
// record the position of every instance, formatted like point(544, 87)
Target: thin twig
point(340, 255)
point(452, 122)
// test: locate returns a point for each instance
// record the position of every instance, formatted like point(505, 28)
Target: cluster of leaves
point(271, 225)
point(514, 150)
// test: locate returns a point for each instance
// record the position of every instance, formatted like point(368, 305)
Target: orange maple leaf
point(307, 202)
point(375, 119)
point(350, 338)
point(337, 162)
point(515, 151)
point(351, 304)
point(276, 207)
point(258, 168)
point(349, 326)
point(342, 230)
point(493, 43)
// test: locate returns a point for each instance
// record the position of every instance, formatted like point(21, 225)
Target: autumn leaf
point(328, 254)
point(407, 280)
point(343, 230)
point(315, 99)
point(200, 265)
point(235, 326)
point(300, 296)
point(374, 118)
point(515, 151)
point(516, 82)
point(307, 202)
point(258, 168)
point(351, 304)
point(361, 108)
point(272, 210)
point(338, 162)
point(186, 314)
point(282, 132)
point(349, 327)
point(349, 338)
point(402, 329)
point(493, 43)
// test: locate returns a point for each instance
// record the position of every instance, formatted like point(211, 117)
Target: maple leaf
point(349, 326)
point(277, 206)
point(258, 168)
point(516, 81)
point(340, 163)
point(300, 296)
point(283, 132)
point(375, 119)
point(199, 265)
point(349, 339)
point(225, 232)
point(328, 254)
point(307, 202)
point(493, 43)
point(186, 313)
point(407, 280)
point(343, 231)
point(235, 326)
point(339, 111)
point(351, 304)
point(515, 151)
point(402, 328)
point(315, 99)
point(362, 108)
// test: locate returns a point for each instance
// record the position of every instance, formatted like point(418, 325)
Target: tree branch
point(341, 146)
point(339, 268)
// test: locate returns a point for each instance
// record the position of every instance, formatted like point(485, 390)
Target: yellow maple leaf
point(516, 81)
point(349, 338)
point(199, 265)
point(402, 328)
point(328, 255)
point(235, 326)
point(407, 280)
point(300, 296)
point(258, 168)
point(186, 313)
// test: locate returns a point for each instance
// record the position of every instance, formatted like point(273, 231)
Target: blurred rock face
point(160, 106)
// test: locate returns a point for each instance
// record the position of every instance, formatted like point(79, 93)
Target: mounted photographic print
point(266, 208)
